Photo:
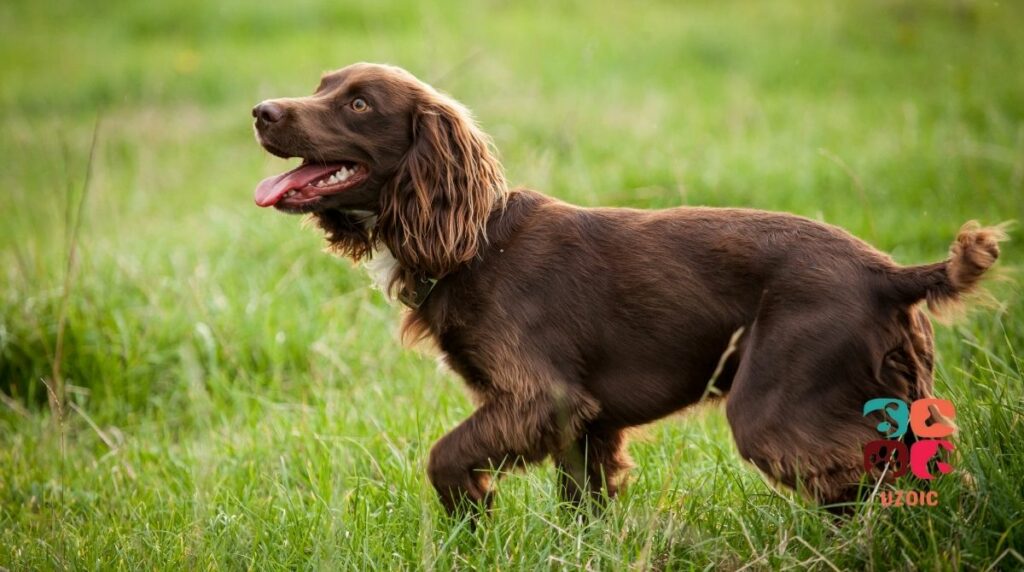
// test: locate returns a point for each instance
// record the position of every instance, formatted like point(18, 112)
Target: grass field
point(232, 397)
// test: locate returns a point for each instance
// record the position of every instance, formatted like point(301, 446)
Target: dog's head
point(373, 138)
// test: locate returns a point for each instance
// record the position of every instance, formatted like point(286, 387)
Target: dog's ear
point(433, 214)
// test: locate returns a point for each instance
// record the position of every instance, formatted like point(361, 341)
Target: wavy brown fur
point(346, 234)
point(433, 212)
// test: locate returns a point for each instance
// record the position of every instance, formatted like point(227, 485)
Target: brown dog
point(570, 325)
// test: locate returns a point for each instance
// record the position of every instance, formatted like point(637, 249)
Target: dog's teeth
point(339, 176)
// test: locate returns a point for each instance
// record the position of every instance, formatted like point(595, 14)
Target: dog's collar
point(424, 286)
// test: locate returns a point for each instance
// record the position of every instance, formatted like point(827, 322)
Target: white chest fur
point(382, 265)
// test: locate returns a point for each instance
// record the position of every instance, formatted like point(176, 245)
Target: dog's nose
point(268, 111)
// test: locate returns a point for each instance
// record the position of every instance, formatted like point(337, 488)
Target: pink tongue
point(271, 189)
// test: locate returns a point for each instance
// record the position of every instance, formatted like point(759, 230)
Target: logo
point(930, 420)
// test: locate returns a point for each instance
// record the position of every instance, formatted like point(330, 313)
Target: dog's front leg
point(460, 463)
point(505, 432)
point(593, 465)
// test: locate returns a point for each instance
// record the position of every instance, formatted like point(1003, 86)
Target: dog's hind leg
point(796, 404)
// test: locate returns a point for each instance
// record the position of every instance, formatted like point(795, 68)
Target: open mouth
point(306, 184)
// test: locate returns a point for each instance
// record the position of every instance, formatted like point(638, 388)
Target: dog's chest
point(381, 267)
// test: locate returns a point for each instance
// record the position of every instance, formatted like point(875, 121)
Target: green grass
point(238, 399)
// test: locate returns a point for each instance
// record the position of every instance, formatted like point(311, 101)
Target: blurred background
point(213, 366)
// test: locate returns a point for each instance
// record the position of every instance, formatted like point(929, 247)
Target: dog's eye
point(359, 104)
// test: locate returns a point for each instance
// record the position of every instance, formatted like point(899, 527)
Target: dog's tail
point(974, 251)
